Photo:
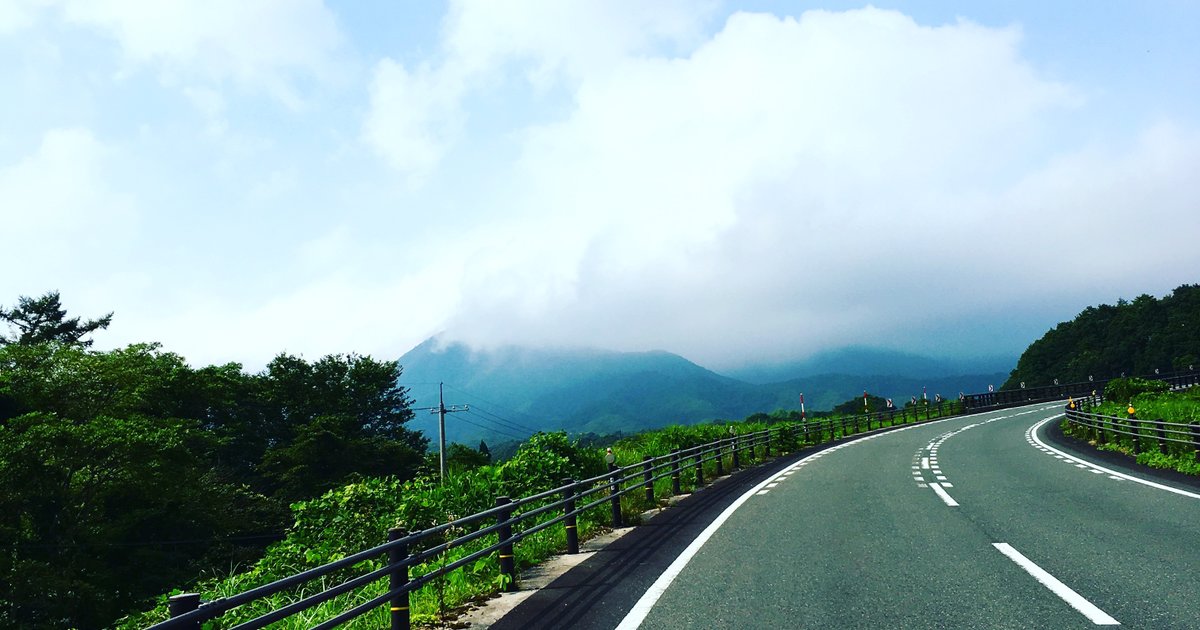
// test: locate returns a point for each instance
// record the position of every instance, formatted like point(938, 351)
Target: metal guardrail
point(512, 521)
point(1160, 433)
point(1047, 393)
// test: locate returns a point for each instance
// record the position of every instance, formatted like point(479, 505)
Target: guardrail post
point(614, 489)
point(1133, 431)
point(572, 522)
point(720, 464)
point(767, 446)
point(1196, 439)
point(647, 478)
point(675, 472)
point(507, 565)
point(735, 464)
point(699, 467)
point(178, 605)
point(399, 612)
point(1162, 437)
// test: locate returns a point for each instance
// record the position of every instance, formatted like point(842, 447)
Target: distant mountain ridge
point(863, 361)
point(512, 391)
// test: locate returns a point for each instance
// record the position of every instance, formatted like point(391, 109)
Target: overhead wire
point(495, 405)
point(493, 429)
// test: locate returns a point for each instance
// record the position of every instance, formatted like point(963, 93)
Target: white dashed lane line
point(926, 458)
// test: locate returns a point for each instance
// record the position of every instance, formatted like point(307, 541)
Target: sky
point(734, 182)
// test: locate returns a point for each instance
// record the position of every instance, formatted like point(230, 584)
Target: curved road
point(980, 521)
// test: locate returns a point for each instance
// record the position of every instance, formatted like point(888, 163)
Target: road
point(983, 521)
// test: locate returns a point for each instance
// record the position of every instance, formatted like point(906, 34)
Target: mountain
point(514, 391)
point(1135, 338)
point(511, 392)
point(871, 361)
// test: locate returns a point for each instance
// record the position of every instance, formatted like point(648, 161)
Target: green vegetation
point(1130, 338)
point(1125, 390)
point(1151, 401)
point(128, 470)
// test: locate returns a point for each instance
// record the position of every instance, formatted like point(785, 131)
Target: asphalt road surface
point(982, 521)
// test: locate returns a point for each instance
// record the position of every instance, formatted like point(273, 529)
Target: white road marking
point(937, 489)
point(1089, 610)
point(1112, 473)
point(925, 462)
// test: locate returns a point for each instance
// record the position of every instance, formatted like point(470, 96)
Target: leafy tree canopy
point(43, 319)
point(1131, 338)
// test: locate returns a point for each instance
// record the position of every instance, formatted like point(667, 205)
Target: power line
point(493, 429)
point(499, 425)
point(496, 405)
point(505, 421)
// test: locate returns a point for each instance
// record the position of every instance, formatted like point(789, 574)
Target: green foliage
point(1135, 337)
point(43, 320)
point(128, 471)
point(461, 458)
point(856, 406)
point(1123, 390)
point(1181, 407)
point(105, 498)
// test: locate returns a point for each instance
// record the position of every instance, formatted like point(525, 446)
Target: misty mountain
point(513, 391)
point(871, 361)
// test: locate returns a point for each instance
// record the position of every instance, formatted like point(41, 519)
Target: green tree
point(38, 320)
point(331, 451)
point(461, 458)
point(99, 514)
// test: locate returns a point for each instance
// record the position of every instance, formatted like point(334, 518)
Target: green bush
point(1123, 390)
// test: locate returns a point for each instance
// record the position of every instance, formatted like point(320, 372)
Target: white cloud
point(416, 113)
point(803, 182)
point(259, 43)
point(413, 118)
point(63, 220)
point(16, 15)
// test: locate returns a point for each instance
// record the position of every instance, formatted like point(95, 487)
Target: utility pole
point(441, 410)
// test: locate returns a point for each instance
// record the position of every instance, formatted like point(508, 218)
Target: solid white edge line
point(1117, 474)
point(638, 613)
point(937, 489)
point(1077, 601)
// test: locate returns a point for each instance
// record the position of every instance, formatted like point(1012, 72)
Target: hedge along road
point(965, 523)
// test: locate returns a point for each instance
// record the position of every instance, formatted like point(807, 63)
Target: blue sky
point(735, 182)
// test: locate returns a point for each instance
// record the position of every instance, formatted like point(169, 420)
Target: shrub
point(1122, 390)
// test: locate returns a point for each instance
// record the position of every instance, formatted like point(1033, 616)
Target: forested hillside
point(1133, 338)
